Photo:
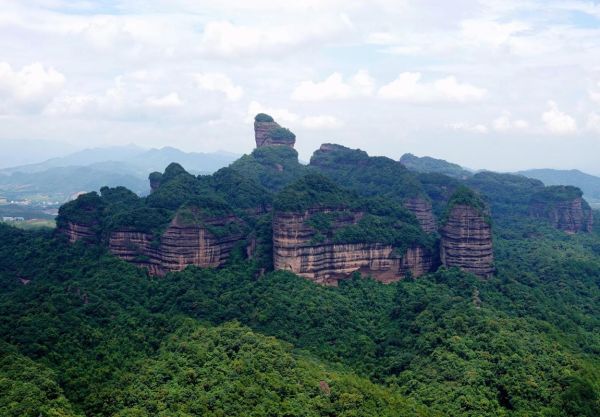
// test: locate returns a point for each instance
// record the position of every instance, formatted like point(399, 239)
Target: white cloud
point(558, 122)
point(287, 117)
point(321, 122)
point(593, 122)
point(595, 95)
point(279, 114)
point(170, 100)
point(504, 122)
point(219, 82)
point(409, 87)
point(478, 31)
point(227, 40)
point(335, 87)
point(467, 127)
point(32, 87)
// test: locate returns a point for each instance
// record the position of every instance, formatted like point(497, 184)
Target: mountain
point(58, 179)
point(351, 286)
point(589, 184)
point(30, 151)
point(432, 165)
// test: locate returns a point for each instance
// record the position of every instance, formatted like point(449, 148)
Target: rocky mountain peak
point(267, 132)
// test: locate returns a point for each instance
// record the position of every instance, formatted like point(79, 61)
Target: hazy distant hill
point(589, 184)
point(428, 164)
point(59, 178)
point(15, 152)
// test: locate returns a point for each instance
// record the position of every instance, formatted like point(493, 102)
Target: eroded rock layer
point(178, 247)
point(571, 216)
point(78, 232)
point(297, 248)
point(422, 210)
point(467, 241)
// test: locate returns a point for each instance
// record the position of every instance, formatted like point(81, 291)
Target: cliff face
point(77, 231)
point(423, 211)
point(296, 248)
point(570, 216)
point(467, 241)
point(261, 132)
point(179, 246)
point(267, 132)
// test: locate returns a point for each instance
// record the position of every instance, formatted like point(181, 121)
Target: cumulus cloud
point(170, 100)
point(335, 87)
point(408, 87)
point(468, 127)
point(593, 122)
point(219, 82)
point(595, 94)
point(505, 122)
point(558, 122)
point(31, 87)
point(285, 116)
point(227, 40)
point(321, 122)
point(279, 114)
point(486, 32)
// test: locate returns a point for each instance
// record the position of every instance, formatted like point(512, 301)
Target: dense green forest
point(91, 335)
point(83, 333)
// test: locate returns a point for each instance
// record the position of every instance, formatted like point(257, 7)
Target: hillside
point(428, 164)
point(589, 184)
point(59, 178)
point(351, 286)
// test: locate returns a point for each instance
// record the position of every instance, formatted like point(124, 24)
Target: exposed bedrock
point(570, 216)
point(467, 241)
point(178, 247)
point(297, 249)
point(423, 211)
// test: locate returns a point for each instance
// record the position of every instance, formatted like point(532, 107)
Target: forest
point(84, 333)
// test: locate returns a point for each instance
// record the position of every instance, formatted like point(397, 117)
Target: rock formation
point(155, 179)
point(423, 211)
point(267, 132)
point(78, 232)
point(297, 248)
point(179, 246)
point(467, 241)
point(564, 208)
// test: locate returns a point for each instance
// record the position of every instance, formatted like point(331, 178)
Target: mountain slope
point(589, 184)
point(88, 170)
point(428, 164)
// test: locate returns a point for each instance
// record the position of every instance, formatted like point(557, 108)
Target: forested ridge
point(92, 335)
point(84, 333)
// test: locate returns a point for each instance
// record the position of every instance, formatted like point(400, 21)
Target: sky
point(497, 84)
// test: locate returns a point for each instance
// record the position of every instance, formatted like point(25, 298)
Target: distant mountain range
point(589, 184)
point(429, 164)
point(58, 179)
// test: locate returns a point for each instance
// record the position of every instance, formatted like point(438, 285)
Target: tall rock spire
point(267, 132)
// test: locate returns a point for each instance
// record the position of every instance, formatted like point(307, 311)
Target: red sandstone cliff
point(179, 246)
point(467, 241)
point(570, 216)
point(267, 132)
point(423, 211)
point(76, 232)
point(296, 249)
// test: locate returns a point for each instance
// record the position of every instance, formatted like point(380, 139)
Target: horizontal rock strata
point(295, 249)
point(572, 216)
point(467, 241)
point(79, 232)
point(423, 211)
point(178, 247)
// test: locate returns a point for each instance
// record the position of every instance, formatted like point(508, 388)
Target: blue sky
point(504, 85)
